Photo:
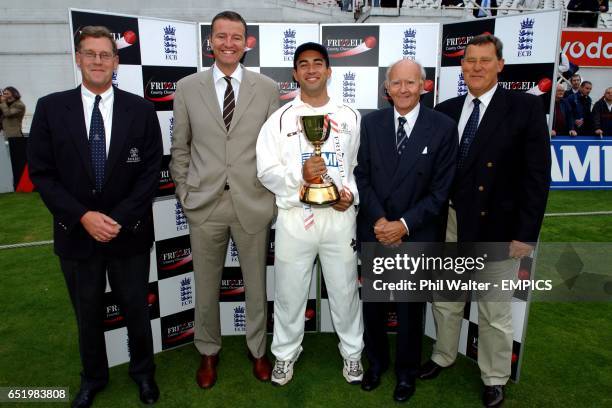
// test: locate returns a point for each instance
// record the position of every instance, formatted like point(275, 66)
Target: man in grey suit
point(217, 117)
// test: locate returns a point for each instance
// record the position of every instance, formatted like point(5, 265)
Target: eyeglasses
point(91, 56)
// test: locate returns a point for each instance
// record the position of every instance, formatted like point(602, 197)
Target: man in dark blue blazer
point(95, 155)
point(406, 164)
point(498, 196)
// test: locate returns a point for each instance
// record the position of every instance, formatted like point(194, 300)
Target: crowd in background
point(575, 114)
point(12, 111)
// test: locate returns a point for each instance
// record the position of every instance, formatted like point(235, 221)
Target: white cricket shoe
point(352, 371)
point(283, 370)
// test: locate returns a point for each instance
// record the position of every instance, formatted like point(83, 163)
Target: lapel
point(494, 116)
point(122, 119)
point(246, 93)
point(75, 123)
point(385, 137)
point(209, 96)
point(417, 141)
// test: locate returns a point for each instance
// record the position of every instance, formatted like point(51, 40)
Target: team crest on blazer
point(134, 156)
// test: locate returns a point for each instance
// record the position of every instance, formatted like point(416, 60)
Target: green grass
point(567, 359)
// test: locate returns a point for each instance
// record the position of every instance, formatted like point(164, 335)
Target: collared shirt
point(410, 117)
point(106, 109)
point(468, 107)
point(221, 84)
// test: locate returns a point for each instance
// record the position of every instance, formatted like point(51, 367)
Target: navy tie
point(468, 133)
point(97, 144)
point(401, 138)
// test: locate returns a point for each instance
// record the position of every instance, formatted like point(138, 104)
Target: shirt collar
point(90, 97)
point(331, 106)
point(411, 116)
point(218, 74)
point(485, 98)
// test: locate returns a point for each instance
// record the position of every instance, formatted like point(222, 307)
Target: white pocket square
point(424, 150)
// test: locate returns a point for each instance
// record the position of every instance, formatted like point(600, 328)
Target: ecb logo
point(289, 44)
point(179, 217)
point(239, 319)
point(186, 292)
point(409, 44)
point(170, 48)
point(348, 87)
point(525, 38)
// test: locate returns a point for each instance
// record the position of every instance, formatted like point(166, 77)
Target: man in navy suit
point(94, 155)
point(406, 164)
point(498, 196)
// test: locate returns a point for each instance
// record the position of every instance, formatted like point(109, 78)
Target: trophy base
point(319, 194)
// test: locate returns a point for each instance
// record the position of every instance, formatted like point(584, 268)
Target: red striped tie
point(228, 103)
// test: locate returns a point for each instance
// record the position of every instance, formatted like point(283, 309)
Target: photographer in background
point(13, 111)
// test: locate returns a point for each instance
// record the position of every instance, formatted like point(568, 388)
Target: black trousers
point(408, 341)
point(128, 279)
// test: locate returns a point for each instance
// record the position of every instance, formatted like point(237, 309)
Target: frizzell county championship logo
point(239, 319)
point(174, 258)
point(461, 85)
point(127, 39)
point(538, 88)
point(455, 46)
point(178, 332)
point(525, 38)
point(170, 48)
point(348, 87)
point(288, 90)
point(346, 47)
point(186, 292)
point(160, 91)
point(409, 44)
point(289, 44)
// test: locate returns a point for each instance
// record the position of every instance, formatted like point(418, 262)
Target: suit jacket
point(60, 167)
point(416, 184)
point(500, 193)
point(205, 155)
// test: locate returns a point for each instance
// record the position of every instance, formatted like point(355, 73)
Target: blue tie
point(468, 133)
point(401, 138)
point(97, 144)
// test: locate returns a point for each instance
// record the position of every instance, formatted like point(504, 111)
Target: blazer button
point(483, 213)
point(490, 164)
point(480, 188)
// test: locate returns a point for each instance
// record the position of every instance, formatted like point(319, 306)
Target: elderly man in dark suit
point(499, 195)
point(95, 154)
point(406, 163)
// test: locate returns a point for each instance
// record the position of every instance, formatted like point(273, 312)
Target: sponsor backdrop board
point(581, 162)
point(530, 54)
point(360, 52)
point(153, 55)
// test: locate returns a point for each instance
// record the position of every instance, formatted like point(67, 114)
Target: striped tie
point(97, 144)
point(400, 137)
point(228, 103)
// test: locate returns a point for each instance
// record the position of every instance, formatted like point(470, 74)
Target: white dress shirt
point(468, 107)
point(410, 117)
point(106, 109)
point(221, 84)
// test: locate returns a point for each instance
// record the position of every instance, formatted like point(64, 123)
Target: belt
point(226, 186)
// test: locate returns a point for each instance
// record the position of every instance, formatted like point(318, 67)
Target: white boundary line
point(25, 245)
point(571, 214)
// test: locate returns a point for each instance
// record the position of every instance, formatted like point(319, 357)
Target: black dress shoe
point(403, 391)
point(149, 391)
point(370, 380)
point(493, 395)
point(430, 370)
point(85, 397)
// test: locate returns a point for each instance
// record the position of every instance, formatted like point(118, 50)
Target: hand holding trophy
point(319, 188)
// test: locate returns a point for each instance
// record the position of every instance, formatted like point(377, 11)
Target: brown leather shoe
point(262, 369)
point(207, 373)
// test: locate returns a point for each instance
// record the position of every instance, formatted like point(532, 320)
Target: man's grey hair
point(418, 64)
